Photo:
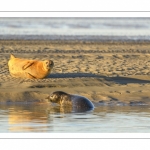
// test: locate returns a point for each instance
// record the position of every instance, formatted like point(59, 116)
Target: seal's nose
point(51, 63)
point(47, 97)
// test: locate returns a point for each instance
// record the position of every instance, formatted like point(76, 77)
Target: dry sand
point(108, 73)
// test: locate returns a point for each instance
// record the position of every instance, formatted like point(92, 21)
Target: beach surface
point(106, 72)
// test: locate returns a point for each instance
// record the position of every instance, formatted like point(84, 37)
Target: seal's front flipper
point(27, 65)
point(30, 76)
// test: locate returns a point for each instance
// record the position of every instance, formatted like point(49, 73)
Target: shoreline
point(78, 38)
point(110, 72)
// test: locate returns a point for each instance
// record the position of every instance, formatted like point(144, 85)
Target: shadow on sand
point(118, 79)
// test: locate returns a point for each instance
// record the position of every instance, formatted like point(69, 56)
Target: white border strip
point(75, 135)
point(75, 5)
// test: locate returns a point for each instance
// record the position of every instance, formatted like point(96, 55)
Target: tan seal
point(31, 69)
point(75, 101)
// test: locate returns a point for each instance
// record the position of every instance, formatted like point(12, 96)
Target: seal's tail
point(12, 56)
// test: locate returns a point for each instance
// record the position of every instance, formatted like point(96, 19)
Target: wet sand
point(106, 72)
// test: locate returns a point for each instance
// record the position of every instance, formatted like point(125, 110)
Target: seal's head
point(48, 64)
point(58, 97)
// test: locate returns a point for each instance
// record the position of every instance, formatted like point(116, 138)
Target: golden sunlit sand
point(105, 72)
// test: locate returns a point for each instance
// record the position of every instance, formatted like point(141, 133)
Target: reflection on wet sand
point(68, 109)
point(20, 117)
point(26, 116)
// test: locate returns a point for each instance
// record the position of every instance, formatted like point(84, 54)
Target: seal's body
point(75, 101)
point(31, 69)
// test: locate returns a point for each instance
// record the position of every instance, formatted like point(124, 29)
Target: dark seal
point(77, 102)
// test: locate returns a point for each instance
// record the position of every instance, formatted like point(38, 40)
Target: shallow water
point(137, 27)
point(44, 118)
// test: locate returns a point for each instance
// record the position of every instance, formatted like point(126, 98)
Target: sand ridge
point(105, 72)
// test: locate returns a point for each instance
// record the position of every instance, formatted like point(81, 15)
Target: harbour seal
point(31, 69)
point(77, 102)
